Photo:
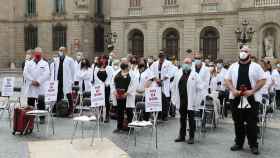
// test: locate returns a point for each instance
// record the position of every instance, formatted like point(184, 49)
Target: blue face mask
point(198, 62)
point(186, 67)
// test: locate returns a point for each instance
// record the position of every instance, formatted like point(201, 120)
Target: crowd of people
point(184, 86)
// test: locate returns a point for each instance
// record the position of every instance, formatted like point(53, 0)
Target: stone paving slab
point(79, 149)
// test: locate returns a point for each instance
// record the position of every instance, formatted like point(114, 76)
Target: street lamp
point(111, 39)
point(244, 34)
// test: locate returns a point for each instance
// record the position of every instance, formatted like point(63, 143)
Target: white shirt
point(276, 79)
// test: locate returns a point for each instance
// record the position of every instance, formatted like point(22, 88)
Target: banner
point(8, 86)
point(153, 99)
point(98, 95)
point(51, 94)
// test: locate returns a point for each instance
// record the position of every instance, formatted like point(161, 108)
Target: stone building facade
point(25, 24)
point(146, 26)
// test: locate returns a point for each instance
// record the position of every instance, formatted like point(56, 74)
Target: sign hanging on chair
point(51, 94)
point(98, 95)
point(153, 99)
point(8, 86)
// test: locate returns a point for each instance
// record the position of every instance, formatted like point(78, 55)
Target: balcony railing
point(135, 11)
point(267, 3)
point(210, 5)
point(170, 9)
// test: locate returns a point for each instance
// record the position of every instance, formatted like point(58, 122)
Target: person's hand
point(236, 93)
point(248, 93)
point(35, 83)
point(125, 94)
point(115, 93)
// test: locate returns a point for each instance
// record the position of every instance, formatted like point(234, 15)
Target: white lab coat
point(276, 79)
point(77, 69)
point(141, 80)
point(255, 73)
point(193, 88)
point(131, 92)
point(221, 78)
point(265, 89)
point(213, 84)
point(86, 76)
point(204, 75)
point(165, 72)
point(68, 73)
point(36, 72)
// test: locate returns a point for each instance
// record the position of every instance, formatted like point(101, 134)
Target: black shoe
point(106, 120)
point(164, 119)
point(255, 151)
point(236, 147)
point(190, 141)
point(179, 139)
point(117, 131)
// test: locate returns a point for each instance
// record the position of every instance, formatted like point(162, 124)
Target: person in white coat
point(124, 90)
point(245, 79)
point(79, 57)
point(84, 75)
point(276, 85)
point(37, 76)
point(161, 73)
point(63, 71)
point(185, 89)
point(204, 75)
point(103, 74)
point(223, 91)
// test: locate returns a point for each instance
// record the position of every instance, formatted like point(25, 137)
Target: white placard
point(8, 86)
point(98, 95)
point(153, 99)
point(51, 94)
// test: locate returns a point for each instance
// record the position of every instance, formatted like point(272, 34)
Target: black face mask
point(124, 66)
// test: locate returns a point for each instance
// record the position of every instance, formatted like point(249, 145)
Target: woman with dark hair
point(84, 75)
point(103, 74)
point(123, 87)
point(133, 63)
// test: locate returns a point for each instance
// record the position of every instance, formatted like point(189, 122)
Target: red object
point(37, 56)
point(243, 88)
point(120, 93)
point(21, 120)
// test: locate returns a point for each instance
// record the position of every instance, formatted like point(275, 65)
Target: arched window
point(30, 37)
point(59, 36)
point(136, 43)
point(209, 42)
point(171, 42)
point(99, 39)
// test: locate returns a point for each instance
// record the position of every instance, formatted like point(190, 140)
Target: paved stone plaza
point(216, 143)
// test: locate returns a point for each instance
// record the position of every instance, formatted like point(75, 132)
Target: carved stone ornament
point(81, 3)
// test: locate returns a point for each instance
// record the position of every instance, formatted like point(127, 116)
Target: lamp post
point(110, 40)
point(245, 33)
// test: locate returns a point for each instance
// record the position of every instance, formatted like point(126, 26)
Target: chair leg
point(74, 132)
point(92, 137)
point(82, 125)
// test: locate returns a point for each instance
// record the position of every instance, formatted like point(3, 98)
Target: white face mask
point(79, 57)
point(115, 67)
point(60, 53)
point(243, 55)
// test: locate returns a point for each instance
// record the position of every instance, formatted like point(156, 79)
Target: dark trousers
point(250, 116)
point(146, 115)
point(40, 105)
point(121, 107)
point(70, 102)
point(277, 98)
point(165, 106)
point(184, 113)
point(107, 101)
